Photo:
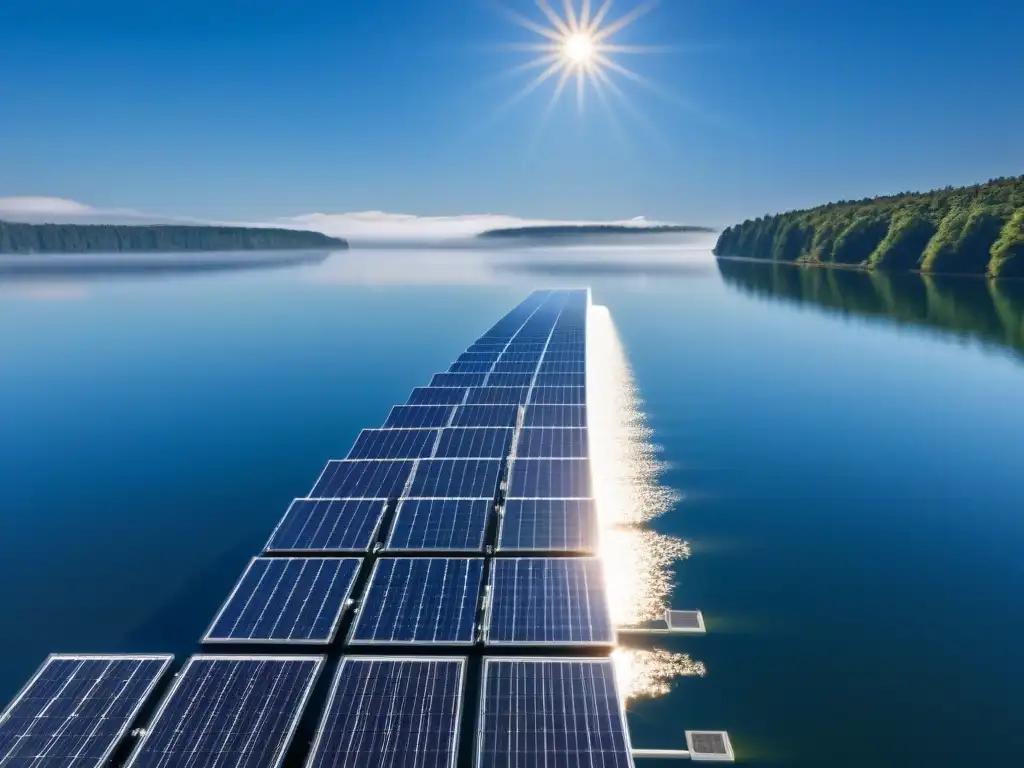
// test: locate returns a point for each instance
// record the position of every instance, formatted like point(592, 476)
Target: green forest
point(977, 230)
point(109, 238)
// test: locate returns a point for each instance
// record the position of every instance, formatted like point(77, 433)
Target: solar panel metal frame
point(180, 678)
point(335, 624)
point(391, 549)
point(352, 640)
point(123, 731)
point(336, 682)
point(489, 610)
point(307, 551)
point(481, 710)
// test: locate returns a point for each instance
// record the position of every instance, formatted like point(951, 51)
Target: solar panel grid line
point(362, 479)
point(23, 722)
point(354, 716)
point(439, 525)
point(553, 443)
point(455, 479)
point(177, 735)
point(521, 727)
point(474, 443)
point(436, 396)
point(334, 578)
point(561, 478)
point(391, 444)
point(327, 531)
point(418, 416)
point(563, 526)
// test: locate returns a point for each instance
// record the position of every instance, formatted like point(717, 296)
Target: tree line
point(111, 238)
point(957, 230)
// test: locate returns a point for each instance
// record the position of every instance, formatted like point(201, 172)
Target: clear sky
point(251, 109)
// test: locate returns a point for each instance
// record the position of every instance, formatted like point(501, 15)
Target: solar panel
point(560, 380)
point(75, 710)
point(558, 396)
point(561, 713)
point(497, 396)
point(436, 396)
point(286, 600)
point(392, 713)
point(362, 479)
point(564, 355)
point(691, 622)
point(458, 379)
point(479, 357)
point(550, 479)
point(709, 746)
point(548, 601)
point(509, 379)
point(522, 356)
point(229, 712)
point(393, 444)
point(424, 600)
point(486, 416)
point(476, 367)
point(564, 366)
point(549, 525)
point(544, 442)
point(501, 367)
point(556, 416)
point(533, 348)
point(328, 525)
point(452, 525)
point(475, 443)
point(418, 416)
point(456, 479)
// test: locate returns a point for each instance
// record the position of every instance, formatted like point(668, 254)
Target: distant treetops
point(966, 230)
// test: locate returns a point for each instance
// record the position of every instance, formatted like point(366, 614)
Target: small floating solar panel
point(449, 525)
point(418, 416)
point(458, 379)
point(685, 621)
point(549, 525)
point(560, 380)
point(545, 442)
point(391, 713)
point(564, 713)
point(75, 710)
point(423, 600)
point(709, 746)
point(558, 396)
point(550, 479)
point(229, 712)
point(286, 600)
point(556, 416)
point(436, 396)
point(475, 367)
point(486, 416)
point(548, 601)
point(475, 443)
point(456, 479)
point(362, 479)
point(328, 525)
point(497, 396)
point(394, 444)
point(509, 379)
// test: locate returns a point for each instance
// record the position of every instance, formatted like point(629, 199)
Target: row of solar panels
point(420, 601)
point(243, 712)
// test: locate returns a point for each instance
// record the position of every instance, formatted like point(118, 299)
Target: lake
point(828, 464)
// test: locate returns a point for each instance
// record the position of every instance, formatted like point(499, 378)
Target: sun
point(578, 44)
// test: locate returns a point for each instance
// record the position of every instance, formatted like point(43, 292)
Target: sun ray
point(563, 29)
point(623, 21)
point(585, 16)
point(580, 74)
point(570, 16)
point(531, 86)
point(531, 25)
point(599, 17)
point(529, 47)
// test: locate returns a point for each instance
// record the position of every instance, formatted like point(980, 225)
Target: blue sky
point(264, 108)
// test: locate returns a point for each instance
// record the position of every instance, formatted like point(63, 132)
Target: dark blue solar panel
point(436, 396)
point(531, 350)
point(556, 416)
point(512, 356)
point(558, 713)
point(479, 357)
point(450, 525)
point(475, 443)
point(491, 348)
point(549, 601)
point(544, 442)
point(550, 479)
point(420, 600)
point(558, 396)
point(418, 416)
point(286, 599)
point(509, 379)
point(563, 356)
point(228, 712)
point(362, 480)
point(456, 478)
point(501, 367)
point(564, 366)
point(486, 416)
point(328, 525)
point(76, 710)
point(458, 379)
point(560, 380)
point(549, 525)
point(476, 367)
point(394, 444)
point(497, 396)
point(391, 713)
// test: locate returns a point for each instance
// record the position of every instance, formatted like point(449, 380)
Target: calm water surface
point(829, 467)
